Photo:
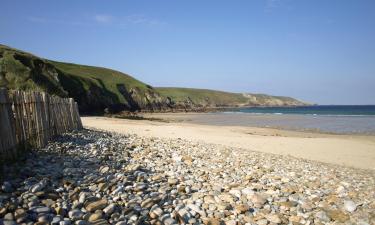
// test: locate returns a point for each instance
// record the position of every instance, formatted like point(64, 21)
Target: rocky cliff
point(99, 90)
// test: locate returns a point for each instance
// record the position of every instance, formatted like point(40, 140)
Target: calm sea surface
point(332, 119)
point(339, 110)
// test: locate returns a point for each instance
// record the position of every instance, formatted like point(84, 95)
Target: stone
point(105, 169)
point(122, 223)
point(188, 160)
point(148, 203)
point(231, 222)
point(221, 185)
point(209, 199)
point(155, 212)
point(94, 217)
point(60, 211)
point(39, 186)
point(20, 213)
point(184, 215)
point(55, 220)
point(295, 219)
point(81, 222)
point(65, 222)
point(172, 181)
point(140, 186)
point(41, 209)
point(258, 199)
point(338, 215)
point(240, 209)
point(247, 191)
point(48, 202)
point(273, 218)
point(9, 222)
point(93, 206)
point(235, 192)
point(212, 221)
point(75, 214)
point(109, 209)
point(9, 216)
point(82, 198)
point(321, 215)
point(7, 187)
point(197, 209)
point(350, 206)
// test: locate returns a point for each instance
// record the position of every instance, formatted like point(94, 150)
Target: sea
point(341, 119)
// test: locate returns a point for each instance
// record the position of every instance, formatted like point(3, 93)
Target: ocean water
point(328, 119)
point(327, 110)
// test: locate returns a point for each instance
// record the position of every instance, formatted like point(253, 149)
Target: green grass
point(24, 72)
point(220, 98)
point(106, 78)
point(96, 88)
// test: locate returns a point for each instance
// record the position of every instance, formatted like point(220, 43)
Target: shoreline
point(186, 117)
point(357, 151)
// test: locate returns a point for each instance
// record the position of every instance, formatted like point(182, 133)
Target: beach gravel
point(94, 177)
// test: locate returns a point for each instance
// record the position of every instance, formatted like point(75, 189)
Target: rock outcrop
point(98, 90)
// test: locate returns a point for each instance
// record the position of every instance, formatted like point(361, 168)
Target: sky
point(320, 51)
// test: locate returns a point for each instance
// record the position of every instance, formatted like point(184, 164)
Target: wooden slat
point(31, 119)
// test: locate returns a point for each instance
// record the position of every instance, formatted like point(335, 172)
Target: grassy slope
point(24, 71)
point(200, 96)
point(102, 77)
point(96, 88)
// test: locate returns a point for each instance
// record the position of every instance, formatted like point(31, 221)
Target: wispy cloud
point(37, 19)
point(142, 20)
point(271, 5)
point(103, 18)
point(43, 20)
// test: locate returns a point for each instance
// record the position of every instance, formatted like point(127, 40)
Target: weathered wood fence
point(31, 119)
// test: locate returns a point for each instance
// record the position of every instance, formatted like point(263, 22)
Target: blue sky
point(322, 51)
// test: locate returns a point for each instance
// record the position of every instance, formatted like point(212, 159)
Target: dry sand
point(347, 150)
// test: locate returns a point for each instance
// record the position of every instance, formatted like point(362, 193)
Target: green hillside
point(203, 96)
point(98, 89)
point(94, 88)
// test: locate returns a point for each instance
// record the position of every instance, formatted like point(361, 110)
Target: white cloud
point(273, 4)
point(142, 20)
point(105, 19)
point(102, 18)
point(37, 19)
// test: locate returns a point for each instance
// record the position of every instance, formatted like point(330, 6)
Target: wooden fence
point(31, 119)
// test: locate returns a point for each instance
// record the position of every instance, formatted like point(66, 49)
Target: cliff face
point(95, 89)
point(202, 98)
point(99, 89)
point(268, 100)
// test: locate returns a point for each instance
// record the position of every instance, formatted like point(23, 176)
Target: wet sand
point(356, 151)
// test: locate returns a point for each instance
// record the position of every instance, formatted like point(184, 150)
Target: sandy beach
point(347, 150)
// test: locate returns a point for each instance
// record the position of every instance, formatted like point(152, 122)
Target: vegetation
point(98, 89)
point(203, 96)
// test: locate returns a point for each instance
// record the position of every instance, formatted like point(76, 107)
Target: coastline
point(357, 151)
point(322, 124)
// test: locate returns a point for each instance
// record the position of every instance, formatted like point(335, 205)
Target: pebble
point(75, 214)
point(109, 209)
point(6, 187)
point(93, 177)
point(155, 212)
point(273, 218)
point(93, 206)
point(350, 206)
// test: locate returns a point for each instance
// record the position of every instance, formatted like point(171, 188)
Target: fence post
point(8, 143)
point(31, 119)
